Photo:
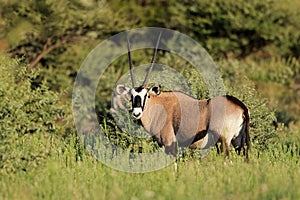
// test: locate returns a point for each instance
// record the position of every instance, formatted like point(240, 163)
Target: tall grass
point(271, 174)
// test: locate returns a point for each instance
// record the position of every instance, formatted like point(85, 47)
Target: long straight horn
point(130, 63)
point(152, 61)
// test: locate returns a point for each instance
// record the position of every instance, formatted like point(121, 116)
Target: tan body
point(176, 117)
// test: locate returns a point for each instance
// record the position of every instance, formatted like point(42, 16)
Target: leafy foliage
point(239, 28)
point(57, 34)
point(25, 109)
point(226, 28)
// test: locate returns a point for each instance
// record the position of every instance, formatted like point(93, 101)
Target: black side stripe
point(145, 97)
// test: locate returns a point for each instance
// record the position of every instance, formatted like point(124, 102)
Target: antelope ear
point(155, 90)
point(121, 89)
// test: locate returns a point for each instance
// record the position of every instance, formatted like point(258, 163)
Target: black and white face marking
point(139, 97)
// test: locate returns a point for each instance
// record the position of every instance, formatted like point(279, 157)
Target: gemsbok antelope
point(176, 118)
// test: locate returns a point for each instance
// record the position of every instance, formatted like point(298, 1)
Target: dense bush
point(275, 79)
point(226, 28)
point(240, 28)
point(30, 117)
point(58, 35)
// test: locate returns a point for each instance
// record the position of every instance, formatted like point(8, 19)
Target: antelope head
point(139, 95)
point(139, 99)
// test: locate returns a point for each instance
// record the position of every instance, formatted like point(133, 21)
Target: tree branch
point(47, 48)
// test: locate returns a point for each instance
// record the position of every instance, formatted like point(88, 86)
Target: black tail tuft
point(246, 138)
point(245, 143)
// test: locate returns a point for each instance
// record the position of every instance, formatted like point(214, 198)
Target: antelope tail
point(246, 137)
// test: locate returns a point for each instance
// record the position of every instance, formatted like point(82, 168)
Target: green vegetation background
point(256, 45)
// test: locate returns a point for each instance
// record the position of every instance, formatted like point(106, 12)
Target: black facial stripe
point(137, 102)
point(145, 97)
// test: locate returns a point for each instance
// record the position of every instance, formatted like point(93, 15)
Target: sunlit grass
point(271, 174)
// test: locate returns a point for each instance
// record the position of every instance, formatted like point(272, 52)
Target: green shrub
point(29, 116)
point(275, 79)
point(240, 28)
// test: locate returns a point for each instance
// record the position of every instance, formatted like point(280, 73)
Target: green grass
point(272, 174)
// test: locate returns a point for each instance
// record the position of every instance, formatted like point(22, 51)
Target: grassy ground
point(272, 174)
